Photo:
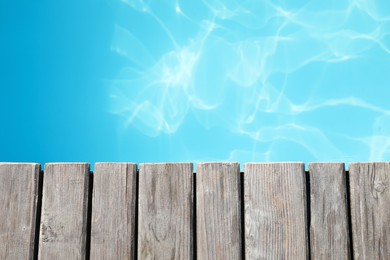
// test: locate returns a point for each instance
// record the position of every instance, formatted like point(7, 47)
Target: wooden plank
point(275, 211)
point(218, 211)
point(165, 229)
point(19, 184)
point(64, 211)
point(113, 211)
point(370, 210)
point(329, 235)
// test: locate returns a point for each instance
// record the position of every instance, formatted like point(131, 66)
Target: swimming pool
point(148, 81)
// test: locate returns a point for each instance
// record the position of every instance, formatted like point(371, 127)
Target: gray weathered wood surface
point(64, 211)
point(275, 211)
point(329, 235)
point(113, 211)
point(370, 210)
point(218, 211)
point(165, 229)
point(18, 208)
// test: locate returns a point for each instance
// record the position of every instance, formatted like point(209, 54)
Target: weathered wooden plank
point(275, 211)
point(370, 210)
point(64, 211)
point(165, 229)
point(113, 211)
point(19, 184)
point(218, 211)
point(329, 235)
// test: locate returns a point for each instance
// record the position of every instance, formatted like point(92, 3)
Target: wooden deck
point(166, 211)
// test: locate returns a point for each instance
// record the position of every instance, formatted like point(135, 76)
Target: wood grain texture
point(218, 211)
point(370, 210)
point(113, 211)
point(329, 235)
point(165, 229)
point(18, 209)
point(275, 211)
point(64, 211)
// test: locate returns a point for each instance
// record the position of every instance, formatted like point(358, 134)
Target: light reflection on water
point(256, 80)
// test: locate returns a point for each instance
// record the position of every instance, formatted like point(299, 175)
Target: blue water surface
point(207, 80)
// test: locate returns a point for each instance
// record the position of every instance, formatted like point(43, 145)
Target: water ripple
point(306, 77)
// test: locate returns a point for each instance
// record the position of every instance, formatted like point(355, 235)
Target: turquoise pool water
point(151, 81)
